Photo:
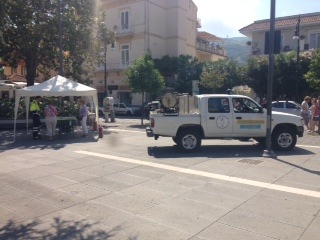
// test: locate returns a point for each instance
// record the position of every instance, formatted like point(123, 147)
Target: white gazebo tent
point(57, 86)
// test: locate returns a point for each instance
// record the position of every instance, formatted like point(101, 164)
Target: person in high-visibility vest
point(35, 110)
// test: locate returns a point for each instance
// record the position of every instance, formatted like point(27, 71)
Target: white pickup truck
point(222, 116)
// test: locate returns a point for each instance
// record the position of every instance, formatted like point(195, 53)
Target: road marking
point(209, 175)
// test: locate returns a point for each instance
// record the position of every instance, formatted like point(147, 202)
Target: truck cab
point(231, 116)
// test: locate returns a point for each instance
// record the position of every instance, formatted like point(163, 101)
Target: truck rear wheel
point(283, 139)
point(189, 140)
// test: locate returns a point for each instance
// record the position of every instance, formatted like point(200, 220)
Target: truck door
point(219, 117)
point(249, 119)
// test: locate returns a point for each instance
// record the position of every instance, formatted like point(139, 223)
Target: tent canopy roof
point(57, 86)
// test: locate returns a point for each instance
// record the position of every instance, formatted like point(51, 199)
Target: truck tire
point(189, 140)
point(283, 139)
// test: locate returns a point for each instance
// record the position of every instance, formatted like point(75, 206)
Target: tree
point(30, 33)
point(221, 75)
point(257, 74)
point(313, 75)
point(285, 75)
point(143, 77)
point(189, 68)
point(167, 66)
point(212, 76)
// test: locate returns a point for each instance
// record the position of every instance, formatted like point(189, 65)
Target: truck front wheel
point(283, 139)
point(189, 140)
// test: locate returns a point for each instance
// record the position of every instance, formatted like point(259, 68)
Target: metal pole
point(105, 71)
point(268, 152)
point(298, 60)
point(60, 39)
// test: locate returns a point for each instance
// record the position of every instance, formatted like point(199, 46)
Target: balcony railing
point(211, 49)
point(113, 66)
point(123, 32)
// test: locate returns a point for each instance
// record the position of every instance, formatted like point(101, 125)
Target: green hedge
point(64, 110)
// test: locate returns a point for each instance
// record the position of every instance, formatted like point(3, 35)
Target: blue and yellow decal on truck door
point(250, 124)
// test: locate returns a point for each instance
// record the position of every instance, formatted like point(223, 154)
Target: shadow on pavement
point(58, 229)
point(299, 167)
point(229, 152)
point(24, 140)
point(220, 151)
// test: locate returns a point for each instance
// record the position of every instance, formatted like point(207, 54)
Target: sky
point(224, 18)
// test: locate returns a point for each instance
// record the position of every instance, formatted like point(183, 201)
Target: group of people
point(310, 112)
point(50, 114)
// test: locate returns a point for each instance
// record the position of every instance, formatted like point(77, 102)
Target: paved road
point(128, 186)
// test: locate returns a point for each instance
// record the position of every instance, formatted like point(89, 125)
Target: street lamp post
point(105, 71)
point(297, 37)
point(105, 67)
point(60, 39)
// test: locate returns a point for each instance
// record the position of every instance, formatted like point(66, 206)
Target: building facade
point(307, 26)
point(165, 27)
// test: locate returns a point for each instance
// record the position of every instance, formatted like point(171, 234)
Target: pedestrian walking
point(35, 110)
point(50, 113)
point(314, 117)
point(305, 111)
point(317, 114)
point(83, 114)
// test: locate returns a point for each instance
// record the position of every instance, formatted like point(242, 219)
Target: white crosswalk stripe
point(209, 175)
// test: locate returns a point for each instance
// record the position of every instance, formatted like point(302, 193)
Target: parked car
point(122, 108)
point(291, 107)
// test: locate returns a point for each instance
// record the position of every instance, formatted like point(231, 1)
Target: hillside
point(237, 48)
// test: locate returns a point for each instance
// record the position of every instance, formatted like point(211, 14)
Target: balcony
point(124, 31)
point(113, 67)
point(206, 47)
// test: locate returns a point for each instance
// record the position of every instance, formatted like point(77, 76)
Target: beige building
point(165, 27)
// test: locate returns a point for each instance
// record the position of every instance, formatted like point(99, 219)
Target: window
point(125, 20)
point(292, 105)
point(278, 104)
point(244, 105)
point(23, 70)
point(125, 55)
point(13, 71)
point(315, 40)
point(218, 105)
